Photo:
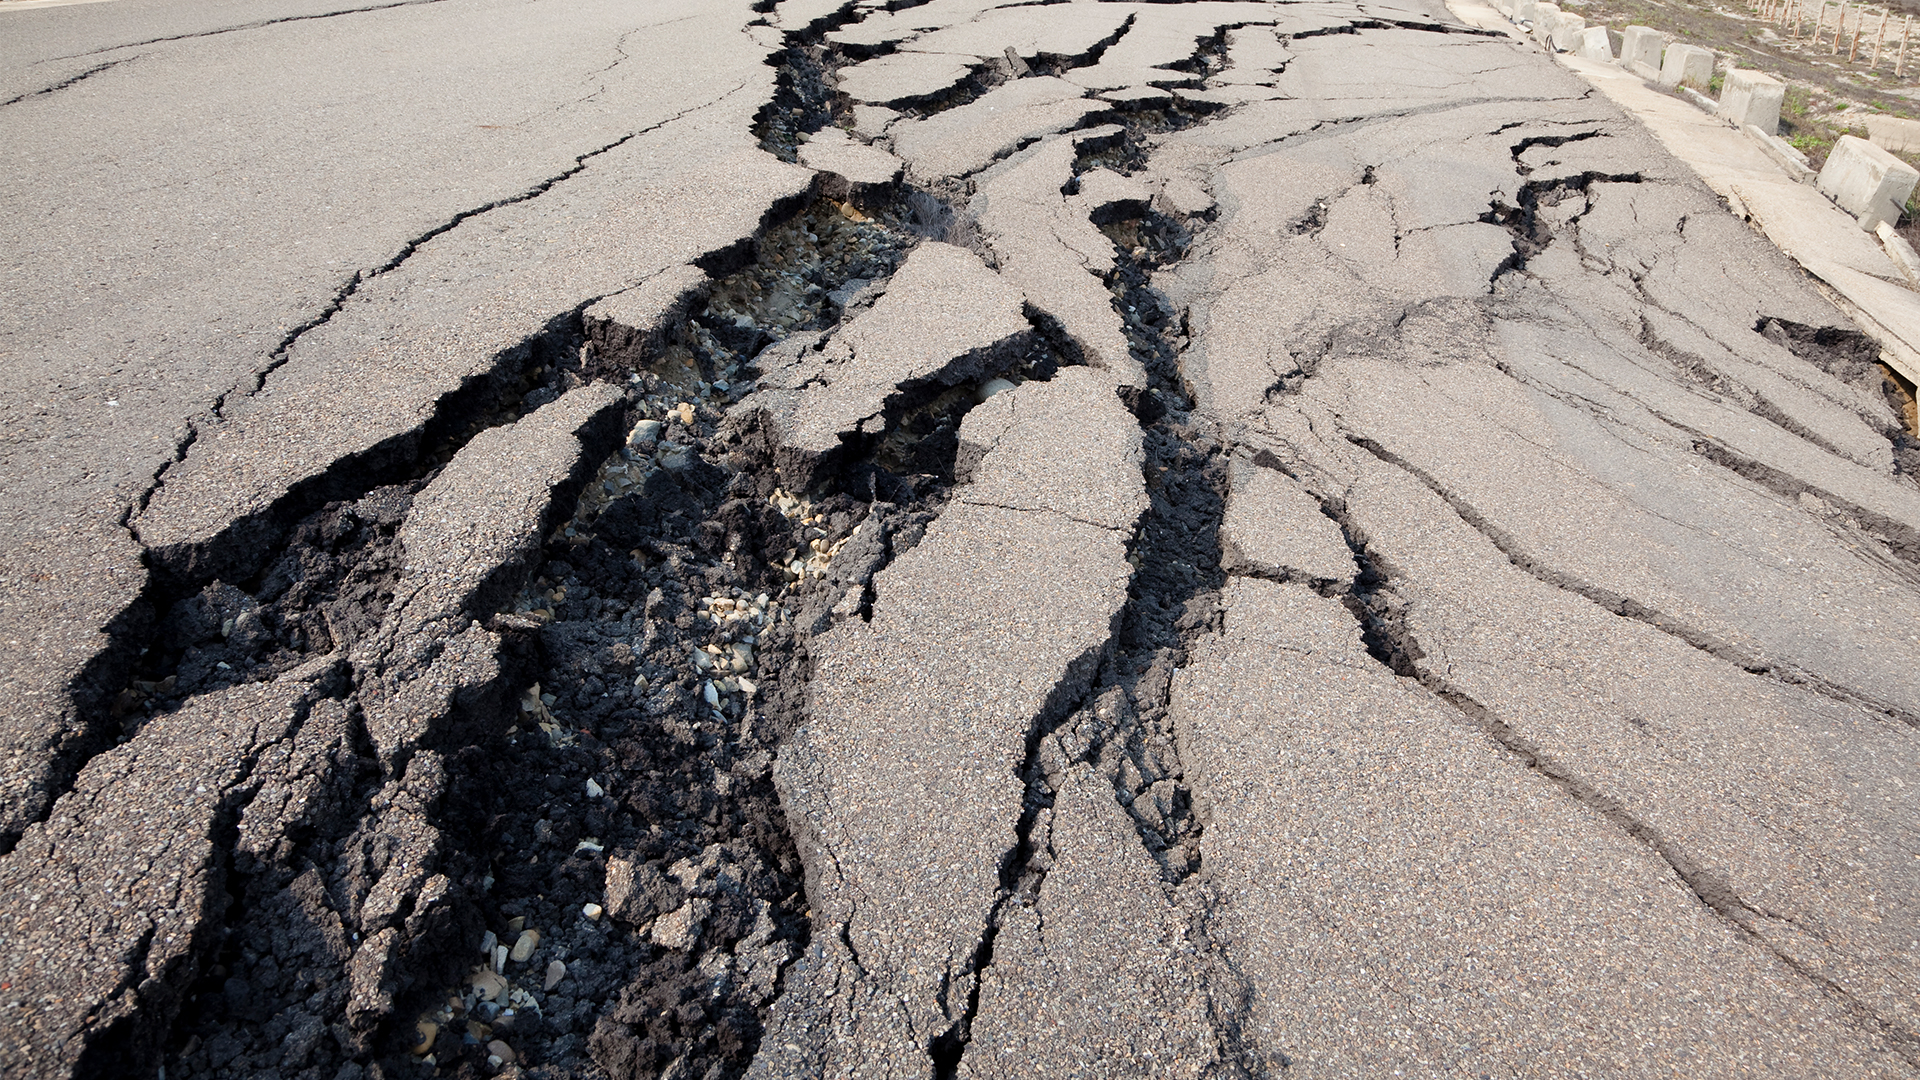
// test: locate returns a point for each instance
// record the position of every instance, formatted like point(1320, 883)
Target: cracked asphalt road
point(925, 539)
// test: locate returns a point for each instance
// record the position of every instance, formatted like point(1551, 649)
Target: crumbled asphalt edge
point(1854, 359)
point(674, 787)
point(273, 984)
point(126, 682)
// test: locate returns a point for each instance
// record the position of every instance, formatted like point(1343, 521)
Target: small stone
point(516, 924)
point(429, 1031)
point(712, 694)
point(487, 942)
point(555, 972)
point(594, 790)
point(645, 433)
point(501, 1050)
point(500, 958)
point(686, 412)
point(992, 387)
point(529, 940)
point(592, 911)
point(489, 985)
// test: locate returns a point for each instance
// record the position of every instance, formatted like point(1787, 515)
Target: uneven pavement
point(946, 539)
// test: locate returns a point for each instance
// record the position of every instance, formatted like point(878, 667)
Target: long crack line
point(1627, 607)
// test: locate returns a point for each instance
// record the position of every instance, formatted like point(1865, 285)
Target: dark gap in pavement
point(1111, 709)
point(1856, 359)
point(668, 630)
point(505, 788)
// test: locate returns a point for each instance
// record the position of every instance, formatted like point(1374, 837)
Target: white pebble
point(555, 972)
point(499, 959)
point(594, 790)
point(712, 694)
point(528, 941)
point(592, 911)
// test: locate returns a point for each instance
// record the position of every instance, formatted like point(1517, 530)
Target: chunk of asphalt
point(966, 139)
point(106, 906)
point(1285, 718)
point(902, 78)
point(1274, 526)
point(1047, 246)
point(945, 320)
point(1101, 941)
point(903, 788)
point(1066, 446)
point(832, 150)
point(474, 534)
point(631, 326)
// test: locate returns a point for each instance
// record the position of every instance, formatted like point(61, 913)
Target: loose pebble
point(555, 972)
point(992, 387)
point(594, 790)
point(489, 985)
point(487, 942)
point(516, 924)
point(645, 433)
point(500, 958)
point(528, 941)
point(500, 1050)
point(429, 1031)
point(589, 844)
point(592, 911)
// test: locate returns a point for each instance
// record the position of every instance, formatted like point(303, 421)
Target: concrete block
point(1525, 11)
point(1867, 182)
point(1750, 97)
point(1783, 153)
point(1640, 51)
point(1566, 32)
point(1687, 65)
point(1595, 44)
point(1894, 134)
point(1545, 16)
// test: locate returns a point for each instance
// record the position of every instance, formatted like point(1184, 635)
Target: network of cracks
point(622, 893)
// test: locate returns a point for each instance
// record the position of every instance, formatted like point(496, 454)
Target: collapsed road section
point(1203, 539)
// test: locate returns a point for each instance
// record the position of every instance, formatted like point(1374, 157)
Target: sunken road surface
point(956, 539)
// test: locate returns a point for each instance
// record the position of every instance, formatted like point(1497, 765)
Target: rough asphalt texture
point(949, 539)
